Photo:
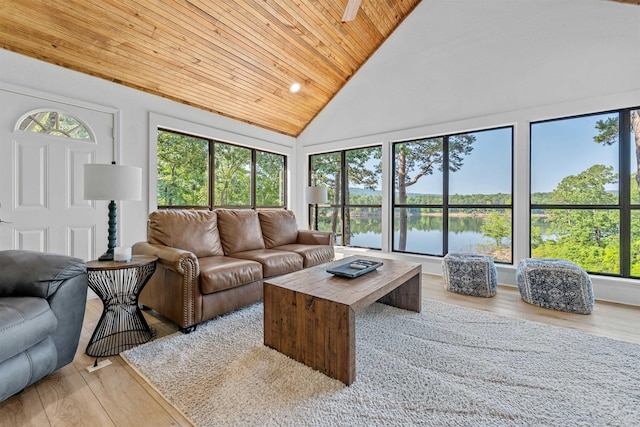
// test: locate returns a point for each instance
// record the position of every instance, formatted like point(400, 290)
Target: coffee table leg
point(313, 331)
point(407, 296)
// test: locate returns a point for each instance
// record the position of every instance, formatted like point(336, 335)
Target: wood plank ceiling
point(236, 58)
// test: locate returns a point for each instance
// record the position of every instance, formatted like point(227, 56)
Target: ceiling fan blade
point(351, 10)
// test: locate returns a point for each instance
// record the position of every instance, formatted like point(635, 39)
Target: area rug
point(446, 366)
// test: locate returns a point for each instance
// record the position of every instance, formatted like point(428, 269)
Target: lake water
point(424, 236)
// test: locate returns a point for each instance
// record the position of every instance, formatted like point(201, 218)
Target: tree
point(182, 170)
point(497, 227)
point(415, 159)
point(327, 170)
point(361, 171)
point(609, 129)
point(586, 226)
point(586, 236)
point(269, 179)
point(232, 173)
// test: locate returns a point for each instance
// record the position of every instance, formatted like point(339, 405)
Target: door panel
point(42, 206)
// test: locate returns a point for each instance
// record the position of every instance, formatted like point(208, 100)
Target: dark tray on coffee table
point(354, 268)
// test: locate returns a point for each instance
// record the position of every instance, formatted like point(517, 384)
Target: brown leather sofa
point(213, 262)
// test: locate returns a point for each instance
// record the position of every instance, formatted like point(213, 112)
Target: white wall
point(464, 65)
point(463, 59)
point(140, 114)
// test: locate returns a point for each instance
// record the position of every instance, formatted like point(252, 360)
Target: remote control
point(357, 266)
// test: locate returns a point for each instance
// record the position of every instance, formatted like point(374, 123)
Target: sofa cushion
point(218, 273)
point(279, 227)
point(274, 263)
point(239, 230)
point(193, 231)
point(24, 321)
point(311, 254)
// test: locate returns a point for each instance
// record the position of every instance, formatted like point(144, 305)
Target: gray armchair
point(42, 303)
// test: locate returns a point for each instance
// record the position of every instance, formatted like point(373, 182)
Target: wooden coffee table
point(309, 315)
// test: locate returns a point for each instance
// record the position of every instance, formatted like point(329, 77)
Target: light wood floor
point(117, 396)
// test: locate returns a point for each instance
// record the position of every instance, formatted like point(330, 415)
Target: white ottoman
point(556, 284)
point(470, 274)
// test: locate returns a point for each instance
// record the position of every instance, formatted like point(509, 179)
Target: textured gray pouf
point(470, 274)
point(556, 284)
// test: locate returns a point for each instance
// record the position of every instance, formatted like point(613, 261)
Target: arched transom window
point(57, 124)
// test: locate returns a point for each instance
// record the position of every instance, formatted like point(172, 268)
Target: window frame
point(211, 177)
point(30, 121)
point(446, 207)
point(343, 206)
point(624, 206)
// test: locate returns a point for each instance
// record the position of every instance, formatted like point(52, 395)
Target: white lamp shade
point(316, 194)
point(112, 182)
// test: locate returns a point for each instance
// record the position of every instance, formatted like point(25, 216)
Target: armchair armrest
point(174, 259)
point(313, 237)
point(38, 274)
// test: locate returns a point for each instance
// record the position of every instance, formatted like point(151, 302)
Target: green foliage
point(363, 171)
point(326, 171)
point(269, 179)
point(497, 227)
point(363, 168)
point(588, 237)
point(232, 175)
point(415, 159)
point(182, 170)
point(183, 173)
point(607, 131)
point(586, 188)
point(57, 124)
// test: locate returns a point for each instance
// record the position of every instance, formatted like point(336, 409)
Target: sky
point(558, 149)
point(485, 171)
point(566, 147)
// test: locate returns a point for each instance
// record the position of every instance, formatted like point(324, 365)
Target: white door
point(42, 207)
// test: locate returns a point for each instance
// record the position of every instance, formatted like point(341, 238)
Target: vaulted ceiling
point(236, 58)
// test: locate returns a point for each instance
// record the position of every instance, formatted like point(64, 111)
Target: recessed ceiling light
point(295, 87)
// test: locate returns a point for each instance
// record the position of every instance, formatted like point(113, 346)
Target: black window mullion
point(253, 180)
point(625, 192)
point(310, 183)
point(445, 195)
point(394, 177)
point(211, 169)
point(343, 193)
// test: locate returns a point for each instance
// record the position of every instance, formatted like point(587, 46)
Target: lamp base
point(107, 256)
point(113, 210)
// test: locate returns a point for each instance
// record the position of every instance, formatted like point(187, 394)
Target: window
point(270, 182)
point(236, 177)
point(56, 124)
point(183, 170)
point(585, 205)
point(354, 186)
point(453, 193)
point(232, 176)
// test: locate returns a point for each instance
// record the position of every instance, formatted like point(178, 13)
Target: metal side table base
point(118, 284)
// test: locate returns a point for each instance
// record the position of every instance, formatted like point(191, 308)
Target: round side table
point(118, 284)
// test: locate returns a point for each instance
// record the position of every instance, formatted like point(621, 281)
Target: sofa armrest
point(313, 237)
point(175, 259)
point(36, 274)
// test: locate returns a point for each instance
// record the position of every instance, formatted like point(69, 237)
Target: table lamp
point(112, 182)
point(316, 194)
